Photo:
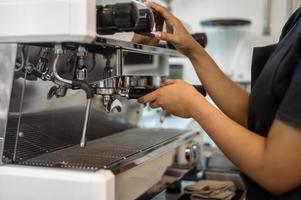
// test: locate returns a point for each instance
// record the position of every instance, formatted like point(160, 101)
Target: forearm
point(244, 148)
point(228, 134)
point(230, 98)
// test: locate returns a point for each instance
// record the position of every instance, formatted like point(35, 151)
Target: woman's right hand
point(176, 32)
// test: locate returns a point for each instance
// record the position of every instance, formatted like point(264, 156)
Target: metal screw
point(21, 134)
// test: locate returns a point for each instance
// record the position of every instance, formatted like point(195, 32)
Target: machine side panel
point(17, 182)
point(47, 20)
point(83, 24)
point(7, 66)
point(134, 182)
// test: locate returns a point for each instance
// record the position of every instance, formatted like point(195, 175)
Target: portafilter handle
point(136, 93)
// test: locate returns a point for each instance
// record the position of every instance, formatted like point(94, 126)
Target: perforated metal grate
point(50, 131)
point(102, 153)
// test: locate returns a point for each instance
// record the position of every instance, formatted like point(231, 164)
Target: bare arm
point(231, 99)
point(273, 162)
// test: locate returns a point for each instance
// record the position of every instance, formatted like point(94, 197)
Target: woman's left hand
point(148, 40)
point(175, 96)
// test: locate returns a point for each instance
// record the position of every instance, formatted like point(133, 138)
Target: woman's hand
point(175, 96)
point(176, 32)
point(148, 40)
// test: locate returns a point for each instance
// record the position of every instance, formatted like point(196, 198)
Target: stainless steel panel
point(157, 169)
point(7, 66)
point(140, 64)
point(51, 124)
point(137, 47)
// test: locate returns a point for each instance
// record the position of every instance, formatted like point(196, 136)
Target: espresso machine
point(68, 108)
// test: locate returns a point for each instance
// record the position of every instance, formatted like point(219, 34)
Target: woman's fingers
point(166, 36)
point(149, 97)
point(160, 9)
point(176, 32)
point(159, 20)
point(162, 14)
point(171, 21)
point(154, 104)
point(168, 82)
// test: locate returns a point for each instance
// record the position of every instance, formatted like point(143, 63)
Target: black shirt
point(276, 93)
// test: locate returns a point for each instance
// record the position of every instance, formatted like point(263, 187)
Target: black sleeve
point(290, 107)
point(290, 23)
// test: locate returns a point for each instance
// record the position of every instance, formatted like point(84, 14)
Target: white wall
point(193, 11)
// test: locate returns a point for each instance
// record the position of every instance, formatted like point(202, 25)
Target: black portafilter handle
point(136, 93)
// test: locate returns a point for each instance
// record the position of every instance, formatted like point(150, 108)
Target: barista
point(261, 131)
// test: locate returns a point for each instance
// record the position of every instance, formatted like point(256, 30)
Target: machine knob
point(124, 17)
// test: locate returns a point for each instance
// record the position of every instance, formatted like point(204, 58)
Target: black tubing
point(84, 86)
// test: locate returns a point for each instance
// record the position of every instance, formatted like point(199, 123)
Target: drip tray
point(107, 151)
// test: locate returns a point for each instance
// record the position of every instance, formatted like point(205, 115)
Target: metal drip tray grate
point(44, 132)
point(104, 152)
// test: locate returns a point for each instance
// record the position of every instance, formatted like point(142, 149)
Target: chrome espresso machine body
point(68, 114)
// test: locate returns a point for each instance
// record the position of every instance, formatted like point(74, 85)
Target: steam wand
point(79, 82)
point(83, 140)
